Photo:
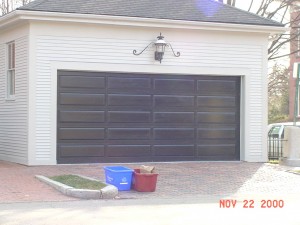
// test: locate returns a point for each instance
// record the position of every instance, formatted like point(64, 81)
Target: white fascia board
point(135, 21)
point(9, 19)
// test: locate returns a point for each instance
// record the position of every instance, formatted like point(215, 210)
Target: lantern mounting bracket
point(160, 45)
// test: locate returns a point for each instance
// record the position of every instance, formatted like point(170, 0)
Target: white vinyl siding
point(14, 114)
point(64, 49)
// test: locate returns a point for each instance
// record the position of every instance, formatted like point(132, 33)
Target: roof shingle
point(186, 10)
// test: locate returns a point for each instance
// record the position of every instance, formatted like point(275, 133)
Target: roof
point(184, 10)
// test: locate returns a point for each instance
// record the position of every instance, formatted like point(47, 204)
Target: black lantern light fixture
point(160, 46)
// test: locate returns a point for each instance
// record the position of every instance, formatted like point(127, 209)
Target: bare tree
point(6, 6)
point(231, 2)
point(278, 10)
point(9, 5)
point(283, 45)
point(278, 93)
point(24, 2)
point(278, 80)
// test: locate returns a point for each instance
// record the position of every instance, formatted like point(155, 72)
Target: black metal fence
point(275, 147)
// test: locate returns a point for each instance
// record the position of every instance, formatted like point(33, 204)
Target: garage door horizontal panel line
point(216, 109)
point(215, 145)
point(78, 125)
point(214, 128)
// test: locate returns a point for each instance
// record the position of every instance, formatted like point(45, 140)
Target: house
point(72, 91)
point(294, 59)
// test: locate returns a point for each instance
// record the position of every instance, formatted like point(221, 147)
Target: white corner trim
point(135, 21)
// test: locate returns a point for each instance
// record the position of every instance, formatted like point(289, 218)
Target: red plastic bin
point(144, 182)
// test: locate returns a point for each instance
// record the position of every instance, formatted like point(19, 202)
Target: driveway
point(188, 180)
point(209, 193)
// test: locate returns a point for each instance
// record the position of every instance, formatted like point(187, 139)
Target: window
point(11, 56)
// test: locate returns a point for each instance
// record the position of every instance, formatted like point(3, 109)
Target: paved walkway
point(188, 180)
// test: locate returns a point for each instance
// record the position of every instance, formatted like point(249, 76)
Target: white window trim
point(298, 41)
point(10, 69)
point(298, 102)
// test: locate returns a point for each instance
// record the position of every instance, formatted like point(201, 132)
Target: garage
point(135, 117)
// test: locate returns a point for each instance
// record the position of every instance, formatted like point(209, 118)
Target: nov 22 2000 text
point(250, 204)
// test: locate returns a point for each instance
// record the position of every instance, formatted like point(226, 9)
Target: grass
point(78, 182)
point(274, 161)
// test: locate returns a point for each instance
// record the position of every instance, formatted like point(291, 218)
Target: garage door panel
point(82, 99)
point(82, 82)
point(129, 133)
point(174, 86)
point(172, 142)
point(82, 116)
point(81, 133)
point(216, 87)
point(129, 100)
point(216, 133)
point(129, 83)
point(129, 117)
point(216, 117)
point(128, 150)
point(173, 158)
point(216, 101)
point(220, 141)
point(174, 150)
point(128, 142)
point(216, 126)
point(216, 150)
point(173, 133)
point(174, 117)
point(217, 158)
point(173, 101)
point(216, 109)
point(81, 150)
point(122, 117)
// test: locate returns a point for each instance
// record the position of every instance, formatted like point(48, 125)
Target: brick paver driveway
point(185, 179)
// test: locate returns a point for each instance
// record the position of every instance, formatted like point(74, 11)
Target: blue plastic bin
point(118, 176)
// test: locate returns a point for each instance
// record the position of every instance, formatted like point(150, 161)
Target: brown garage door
point(121, 117)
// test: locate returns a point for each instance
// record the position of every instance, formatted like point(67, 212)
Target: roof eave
point(19, 15)
point(9, 19)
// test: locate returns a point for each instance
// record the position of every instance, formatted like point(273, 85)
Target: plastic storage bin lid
point(118, 169)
